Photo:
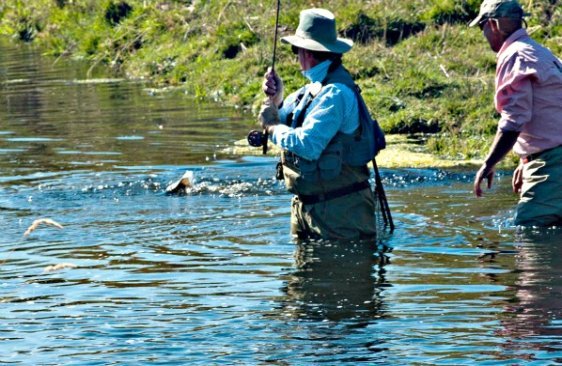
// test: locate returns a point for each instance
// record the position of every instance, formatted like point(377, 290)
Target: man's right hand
point(503, 142)
point(485, 172)
point(273, 87)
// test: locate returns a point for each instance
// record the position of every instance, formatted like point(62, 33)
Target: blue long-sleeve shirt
point(334, 110)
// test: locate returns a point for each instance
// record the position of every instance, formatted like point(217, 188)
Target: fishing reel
point(258, 138)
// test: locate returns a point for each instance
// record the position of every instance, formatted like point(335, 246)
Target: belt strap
point(530, 157)
point(534, 156)
point(336, 193)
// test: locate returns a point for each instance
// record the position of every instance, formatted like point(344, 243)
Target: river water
point(212, 277)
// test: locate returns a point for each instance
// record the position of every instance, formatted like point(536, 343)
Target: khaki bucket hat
point(317, 32)
point(498, 9)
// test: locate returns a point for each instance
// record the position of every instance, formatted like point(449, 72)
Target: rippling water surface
point(136, 276)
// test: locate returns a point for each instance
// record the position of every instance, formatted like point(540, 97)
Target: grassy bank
point(421, 69)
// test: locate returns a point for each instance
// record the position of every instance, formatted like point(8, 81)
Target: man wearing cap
point(316, 127)
point(528, 96)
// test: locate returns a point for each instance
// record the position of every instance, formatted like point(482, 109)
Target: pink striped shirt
point(529, 93)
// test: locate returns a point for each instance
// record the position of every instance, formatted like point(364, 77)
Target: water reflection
point(53, 119)
point(202, 278)
point(336, 281)
point(531, 320)
point(333, 299)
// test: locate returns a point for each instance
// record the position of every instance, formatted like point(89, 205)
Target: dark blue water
point(213, 277)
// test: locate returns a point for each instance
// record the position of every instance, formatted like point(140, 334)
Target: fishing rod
point(257, 138)
point(275, 35)
point(265, 133)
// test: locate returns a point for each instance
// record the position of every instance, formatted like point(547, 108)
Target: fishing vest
point(343, 161)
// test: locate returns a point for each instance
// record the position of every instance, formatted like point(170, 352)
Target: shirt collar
point(515, 36)
point(318, 72)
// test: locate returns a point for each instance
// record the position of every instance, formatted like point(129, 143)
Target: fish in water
point(37, 222)
point(180, 185)
point(58, 267)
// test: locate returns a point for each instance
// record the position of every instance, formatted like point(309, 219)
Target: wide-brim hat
point(317, 32)
point(498, 9)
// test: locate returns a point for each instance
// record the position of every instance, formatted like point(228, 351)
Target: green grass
point(421, 69)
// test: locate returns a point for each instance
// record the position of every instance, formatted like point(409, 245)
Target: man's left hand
point(268, 115)
point(517, 180)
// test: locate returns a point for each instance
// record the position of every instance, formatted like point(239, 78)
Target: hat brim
point(341, 45)
point(481, 17)
point(476, 20)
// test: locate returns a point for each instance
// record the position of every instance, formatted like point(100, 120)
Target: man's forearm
point(503, 143)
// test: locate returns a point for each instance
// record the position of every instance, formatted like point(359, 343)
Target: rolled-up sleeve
point(514, 95)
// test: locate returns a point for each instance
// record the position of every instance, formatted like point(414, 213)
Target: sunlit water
point(213, 277)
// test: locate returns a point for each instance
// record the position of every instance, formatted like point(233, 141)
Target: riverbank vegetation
point(421, 69)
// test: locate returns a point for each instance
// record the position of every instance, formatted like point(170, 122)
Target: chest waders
point(341, 169)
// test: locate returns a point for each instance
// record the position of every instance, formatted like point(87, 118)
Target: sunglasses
point(482, 23)
point(295, 50)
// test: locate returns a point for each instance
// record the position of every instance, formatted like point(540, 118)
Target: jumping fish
point(180, 185)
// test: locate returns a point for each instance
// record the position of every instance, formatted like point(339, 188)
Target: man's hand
point(273, 87)
point(503, 142)
point(485, 172)
point(268, 115)
point(517, 179)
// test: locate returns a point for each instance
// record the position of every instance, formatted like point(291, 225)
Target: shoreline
point(400, 152)
point(421, 69)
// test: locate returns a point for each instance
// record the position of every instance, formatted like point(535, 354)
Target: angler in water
point(529, 100)
point(326, 134)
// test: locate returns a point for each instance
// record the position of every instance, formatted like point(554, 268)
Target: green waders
point(541, 194)
point(348, 217)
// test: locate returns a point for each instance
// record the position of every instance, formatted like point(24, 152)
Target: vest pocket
point(329, 166)
point(330, 162)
